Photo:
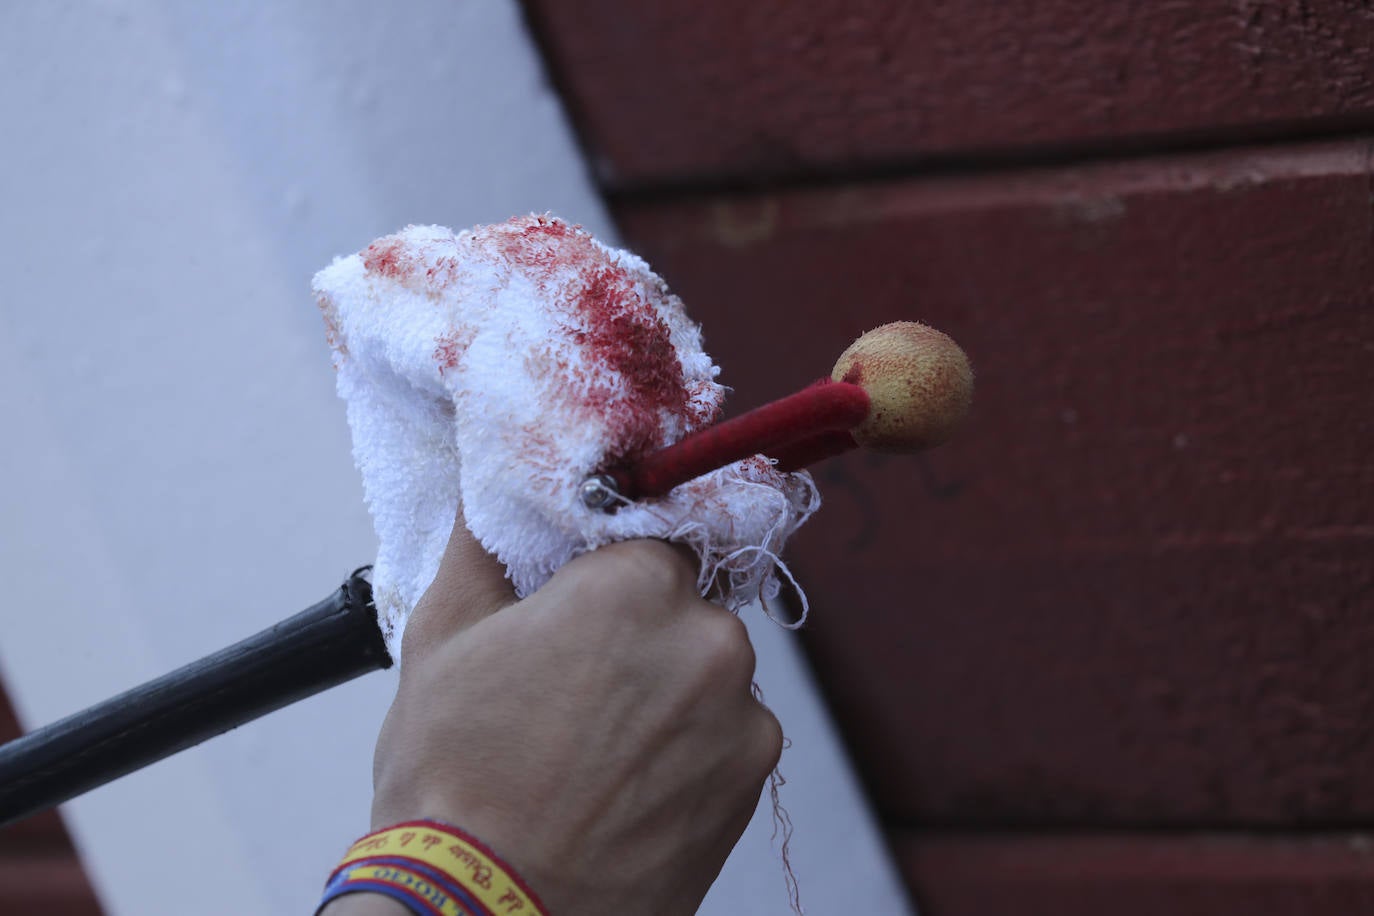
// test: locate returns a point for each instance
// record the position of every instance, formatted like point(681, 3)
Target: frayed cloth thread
point(782, 820)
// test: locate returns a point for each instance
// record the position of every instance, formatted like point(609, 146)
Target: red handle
point(803, 427)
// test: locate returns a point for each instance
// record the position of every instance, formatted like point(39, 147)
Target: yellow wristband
point(460, 857)
point(420, 893)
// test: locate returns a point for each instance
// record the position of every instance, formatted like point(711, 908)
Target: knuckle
point(727, 652)
point(650, 568)
point(768, 740)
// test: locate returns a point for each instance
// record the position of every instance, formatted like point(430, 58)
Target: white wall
point(177, 468)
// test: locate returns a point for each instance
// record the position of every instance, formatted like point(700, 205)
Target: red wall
point(1112, 647)
point(39, 871)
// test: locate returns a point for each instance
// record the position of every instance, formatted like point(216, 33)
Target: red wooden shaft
point(804, 452)
point(823, 407)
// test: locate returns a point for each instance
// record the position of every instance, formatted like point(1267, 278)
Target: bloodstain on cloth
point(612, 319)
point(505, 365)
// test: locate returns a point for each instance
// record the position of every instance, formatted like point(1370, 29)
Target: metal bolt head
point(599, 492)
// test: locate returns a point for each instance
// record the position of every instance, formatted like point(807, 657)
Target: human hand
point(600, 735)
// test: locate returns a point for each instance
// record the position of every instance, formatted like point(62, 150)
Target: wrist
point(428, 867)
point(524, 847)
point(365, 903)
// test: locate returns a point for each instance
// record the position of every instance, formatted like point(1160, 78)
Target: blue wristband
point(419, 891)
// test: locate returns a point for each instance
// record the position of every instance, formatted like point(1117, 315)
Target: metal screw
point(599, 492)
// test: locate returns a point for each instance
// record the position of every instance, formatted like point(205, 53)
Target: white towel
point(507, 364)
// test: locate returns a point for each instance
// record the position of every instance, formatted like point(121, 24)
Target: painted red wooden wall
point(1112, 650)
point(39, 870)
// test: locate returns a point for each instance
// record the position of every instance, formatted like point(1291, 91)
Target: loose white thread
point(782, 821)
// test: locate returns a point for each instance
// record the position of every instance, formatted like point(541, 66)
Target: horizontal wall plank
point(50, 885)
point(693, 90)
point(1138, 876)
point(1138, 588)
point(39, 869)
point(40, 833)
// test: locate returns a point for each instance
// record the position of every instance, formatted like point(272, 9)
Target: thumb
point(470, 586)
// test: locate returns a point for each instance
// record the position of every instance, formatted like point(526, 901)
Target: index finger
point(470, 586)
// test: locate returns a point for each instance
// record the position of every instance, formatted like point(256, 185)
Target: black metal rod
point(332, 642)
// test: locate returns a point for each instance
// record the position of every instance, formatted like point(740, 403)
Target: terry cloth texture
point(506, 364)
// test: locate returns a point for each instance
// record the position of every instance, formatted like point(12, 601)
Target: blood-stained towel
point(504, 366)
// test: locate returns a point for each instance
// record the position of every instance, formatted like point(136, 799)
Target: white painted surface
point(177, 467)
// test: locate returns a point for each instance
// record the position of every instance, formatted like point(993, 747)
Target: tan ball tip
point(919, 383)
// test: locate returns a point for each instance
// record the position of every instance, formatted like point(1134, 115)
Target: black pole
point(332, 642)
